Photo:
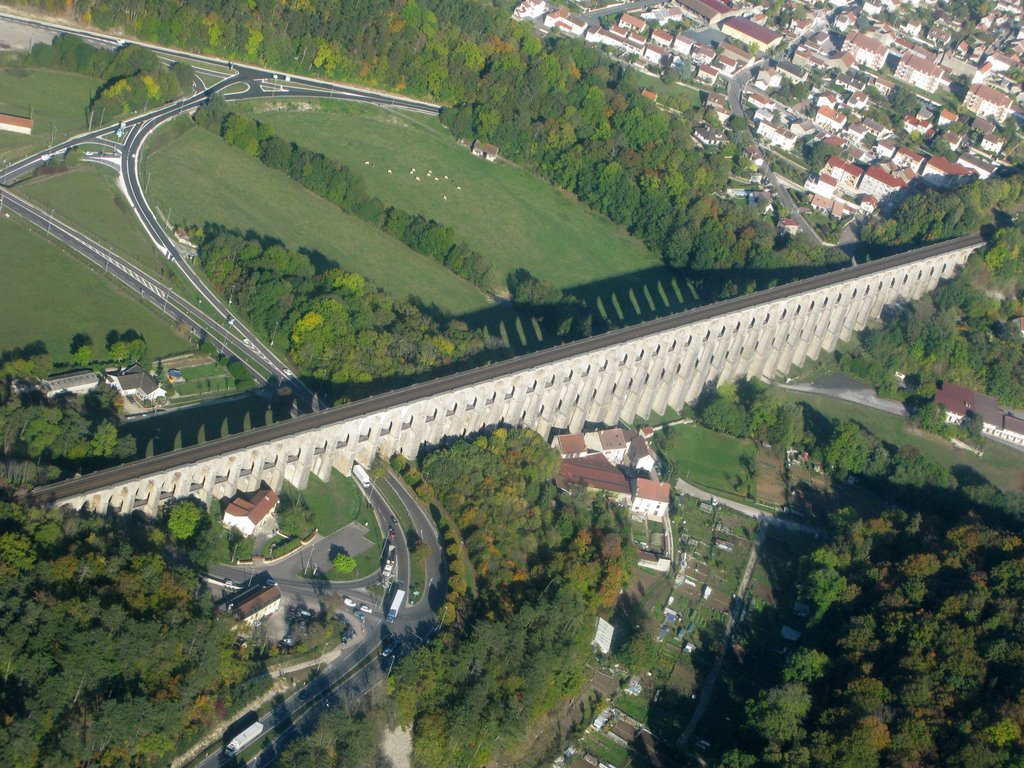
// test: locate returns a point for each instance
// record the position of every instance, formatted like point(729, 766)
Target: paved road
point(611, 10)
point(782, 193)
point(445, 384)
point(149, 289)
point(765, 519)
point(844, 388)
point(246, 82)
point(415, 623)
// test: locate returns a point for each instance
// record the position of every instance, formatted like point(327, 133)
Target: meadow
point(87, 197)
point(58, 102)
point(49, 295)
point(198, 179)
point(512, 216)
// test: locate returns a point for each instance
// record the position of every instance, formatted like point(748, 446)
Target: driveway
point(844, 388)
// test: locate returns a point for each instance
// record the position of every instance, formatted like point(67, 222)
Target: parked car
point(350, 602)
point(365, 608)
point(359, 615)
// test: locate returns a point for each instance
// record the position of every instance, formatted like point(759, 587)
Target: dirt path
point(709, 685)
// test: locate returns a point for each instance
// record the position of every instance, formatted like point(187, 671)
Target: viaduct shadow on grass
point(630, 299)
point(192, 426)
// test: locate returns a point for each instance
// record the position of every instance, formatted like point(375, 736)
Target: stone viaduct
point(619, 375)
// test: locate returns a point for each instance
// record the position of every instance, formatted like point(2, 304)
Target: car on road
point(350, 602)
point(304, 694)
point(392, 534)
point(365, 608)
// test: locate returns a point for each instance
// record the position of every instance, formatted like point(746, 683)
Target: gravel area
point(396, 746)
point(18, 37)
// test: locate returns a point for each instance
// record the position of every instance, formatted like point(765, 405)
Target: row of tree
point(133, 77)
point(336, 183)
point(340, 328)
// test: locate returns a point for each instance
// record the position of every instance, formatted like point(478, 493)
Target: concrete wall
point(617, 382)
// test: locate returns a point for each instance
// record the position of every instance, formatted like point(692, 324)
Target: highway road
point(143, 467)
point(360, 666)
point(149, 289)
point(246, 82)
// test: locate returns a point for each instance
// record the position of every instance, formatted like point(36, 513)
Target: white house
point(251, 516)
point(255, 603)
point(135, 381)
point(530, 9)
point(650, 499)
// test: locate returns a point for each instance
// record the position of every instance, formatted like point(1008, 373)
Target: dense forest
point(336, 183)
point(554, 105)
point(941, 214)
point(340, 328)
point(341, 739)
point(962, 332)
point(43, 438)
point(912, 655)
point(133, 77)
point(544, 564)
point(111, 653)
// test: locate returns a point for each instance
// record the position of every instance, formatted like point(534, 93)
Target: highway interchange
point(246, 82)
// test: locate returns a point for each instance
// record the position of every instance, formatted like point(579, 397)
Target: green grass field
point(705, 458)
point(49, 295)
point(57, 101)
point(512, 216)
point(332, 505)
point(1002, 465)
point(86, 198)
point(197, 178)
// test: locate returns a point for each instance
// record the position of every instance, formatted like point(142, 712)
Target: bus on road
point(396, 605)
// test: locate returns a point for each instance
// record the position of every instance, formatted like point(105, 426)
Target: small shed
point(487, 151)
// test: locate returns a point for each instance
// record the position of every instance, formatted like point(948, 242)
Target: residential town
point(853, 105)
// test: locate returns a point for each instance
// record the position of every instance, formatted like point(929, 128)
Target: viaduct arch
point(620, 375)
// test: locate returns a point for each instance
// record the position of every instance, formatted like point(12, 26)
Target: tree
point(83, 355)
point(344, 563)
point(183, 518)
point(777, 715)
point(849, 450)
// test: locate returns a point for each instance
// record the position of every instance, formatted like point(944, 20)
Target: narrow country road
point(735, 94)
